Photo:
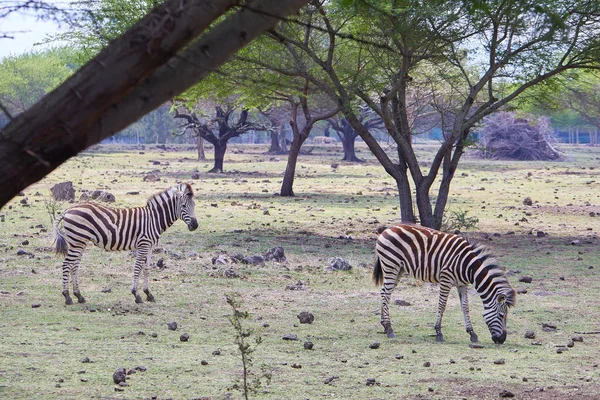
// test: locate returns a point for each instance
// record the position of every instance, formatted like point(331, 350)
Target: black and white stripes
point(120, 229)
point(447, 259)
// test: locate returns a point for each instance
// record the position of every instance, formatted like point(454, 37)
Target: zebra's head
point(186, 206)
point(496, 312)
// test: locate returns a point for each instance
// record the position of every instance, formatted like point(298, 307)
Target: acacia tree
point(101, 98)
point(348, 135)
point(478, 47)
point(226, 125)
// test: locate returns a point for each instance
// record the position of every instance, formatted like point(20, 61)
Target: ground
point(51, 350)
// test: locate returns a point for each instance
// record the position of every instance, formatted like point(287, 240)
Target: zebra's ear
point(501, 299)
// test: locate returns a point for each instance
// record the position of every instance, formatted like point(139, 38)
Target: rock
point(254, 260)
point(529, 334)
point(151, 178)
point(184, 337)
point(399, 356)
point(85, 360)
point(577, 338)
point(371, 382)
point(119, 376)
point(308, 345)
point(290, 336)
point(427, 364)
point(221, 259)
point(374, 345)
point(327, 381)
point(541, 234)
point(195, 175)
point(499, 361)
point(306, 317)
point(338, 264)
point(204, 362)
point(106, 290)
point(172, 326)
point(402, 303)
point(522, 291)
point(36, 305)
point(526, 279)
point(276, 254)
point(527, 201)
point(101, 195)
point(141, 368)
point(297, 286)
point(160, 263)
point(546, 327)
point(296, 365)
point(216, 352)
point(507, 394)
point(63, 191)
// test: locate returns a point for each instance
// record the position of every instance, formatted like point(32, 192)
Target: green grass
point(335, 213)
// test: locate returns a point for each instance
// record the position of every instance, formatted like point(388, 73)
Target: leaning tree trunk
point(200, 142)
point(220, 149)
point(290, 169)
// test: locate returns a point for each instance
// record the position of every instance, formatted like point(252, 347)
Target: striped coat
point(113, 229)
point(449, 260)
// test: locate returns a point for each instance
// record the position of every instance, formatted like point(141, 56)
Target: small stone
point(306, 317)
point(204, 362)
point(526, 279)
point(529, 334)
point(216, 353)
point(527, 201)
point(85, 360)
point(374, 345)
point(36, 305)
point(536, 343)
point(427, 364)
point(571, 343)
point(506, 394)
point(308, 345)
point(131, 372)
point(119, 375)
point(119, 389)
point(296, 365)
point(522, 291)
point(141, 368)
point(499, 361)
point(123, 384)
point(184, 337)
point(402, 303)
point(290, 336)
point(399, 356)
point(371, 382)
point(327, 381)
point(577, 338)
point(525, 379)
point(546, 327)
point(172, 326)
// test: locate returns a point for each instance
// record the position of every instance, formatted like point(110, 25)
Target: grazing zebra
point(110, 228)
point(447, 259)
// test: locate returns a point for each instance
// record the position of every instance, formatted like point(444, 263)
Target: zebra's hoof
point(439, 338)
point(474, 338)
point(391, 335)
point(81, 300)
point(138, 299)
point(68, 301)
point(150, 298)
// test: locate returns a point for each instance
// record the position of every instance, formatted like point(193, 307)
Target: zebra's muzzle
point(499, 339)
point(193, 224)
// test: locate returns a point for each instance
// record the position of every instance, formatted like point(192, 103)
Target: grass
point(335, 213)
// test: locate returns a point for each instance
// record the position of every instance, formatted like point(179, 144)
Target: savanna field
point(53, 351)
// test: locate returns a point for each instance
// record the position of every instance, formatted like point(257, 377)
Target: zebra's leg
point(149, 296)
point(140, 262)
point(70, 267)
point(464, 304)
point(445, 287)
point(386, 292)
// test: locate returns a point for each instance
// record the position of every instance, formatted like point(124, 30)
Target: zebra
point(113, 229)
point(447, 259)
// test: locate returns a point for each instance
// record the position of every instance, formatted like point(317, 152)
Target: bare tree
point(102, 98)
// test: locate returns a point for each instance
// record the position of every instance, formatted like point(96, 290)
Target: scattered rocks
point(160, 263)
point(338, 264)
point(296, 365)
point(85, 360)
point(327, 381)
point(254, 260)
point(577, 338)
point(184, 337)
point(63, 191)
point(308, 345)
point(119, 375)
point(306, 317)
point(36, 305)
point(499, 361)
point(216, 352)
point(172, 326)
point(371, 382)
point(399, 356)
point(529, 334)
point(402, 303)
point(527, 201)
point(290, 336)
point(427, 364)
point(276, 254)
point(374, 345)
point(221, 259)
point(546, 327)
point(204, 362)
point(526, 279)
point(296, 286)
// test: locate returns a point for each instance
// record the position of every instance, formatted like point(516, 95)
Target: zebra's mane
point(490, 264)
point(171, 192)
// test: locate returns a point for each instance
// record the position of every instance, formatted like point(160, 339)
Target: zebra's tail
point(378, 273)
point(60, 244)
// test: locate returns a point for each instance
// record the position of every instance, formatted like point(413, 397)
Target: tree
point(225, 126)
point(488, 53)
point(101, 98)
point(348, 135)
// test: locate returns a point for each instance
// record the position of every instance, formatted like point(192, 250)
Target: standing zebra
point(447, 259)
point(136, 228)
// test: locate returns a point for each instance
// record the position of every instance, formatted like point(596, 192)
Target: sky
point(26, 30)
